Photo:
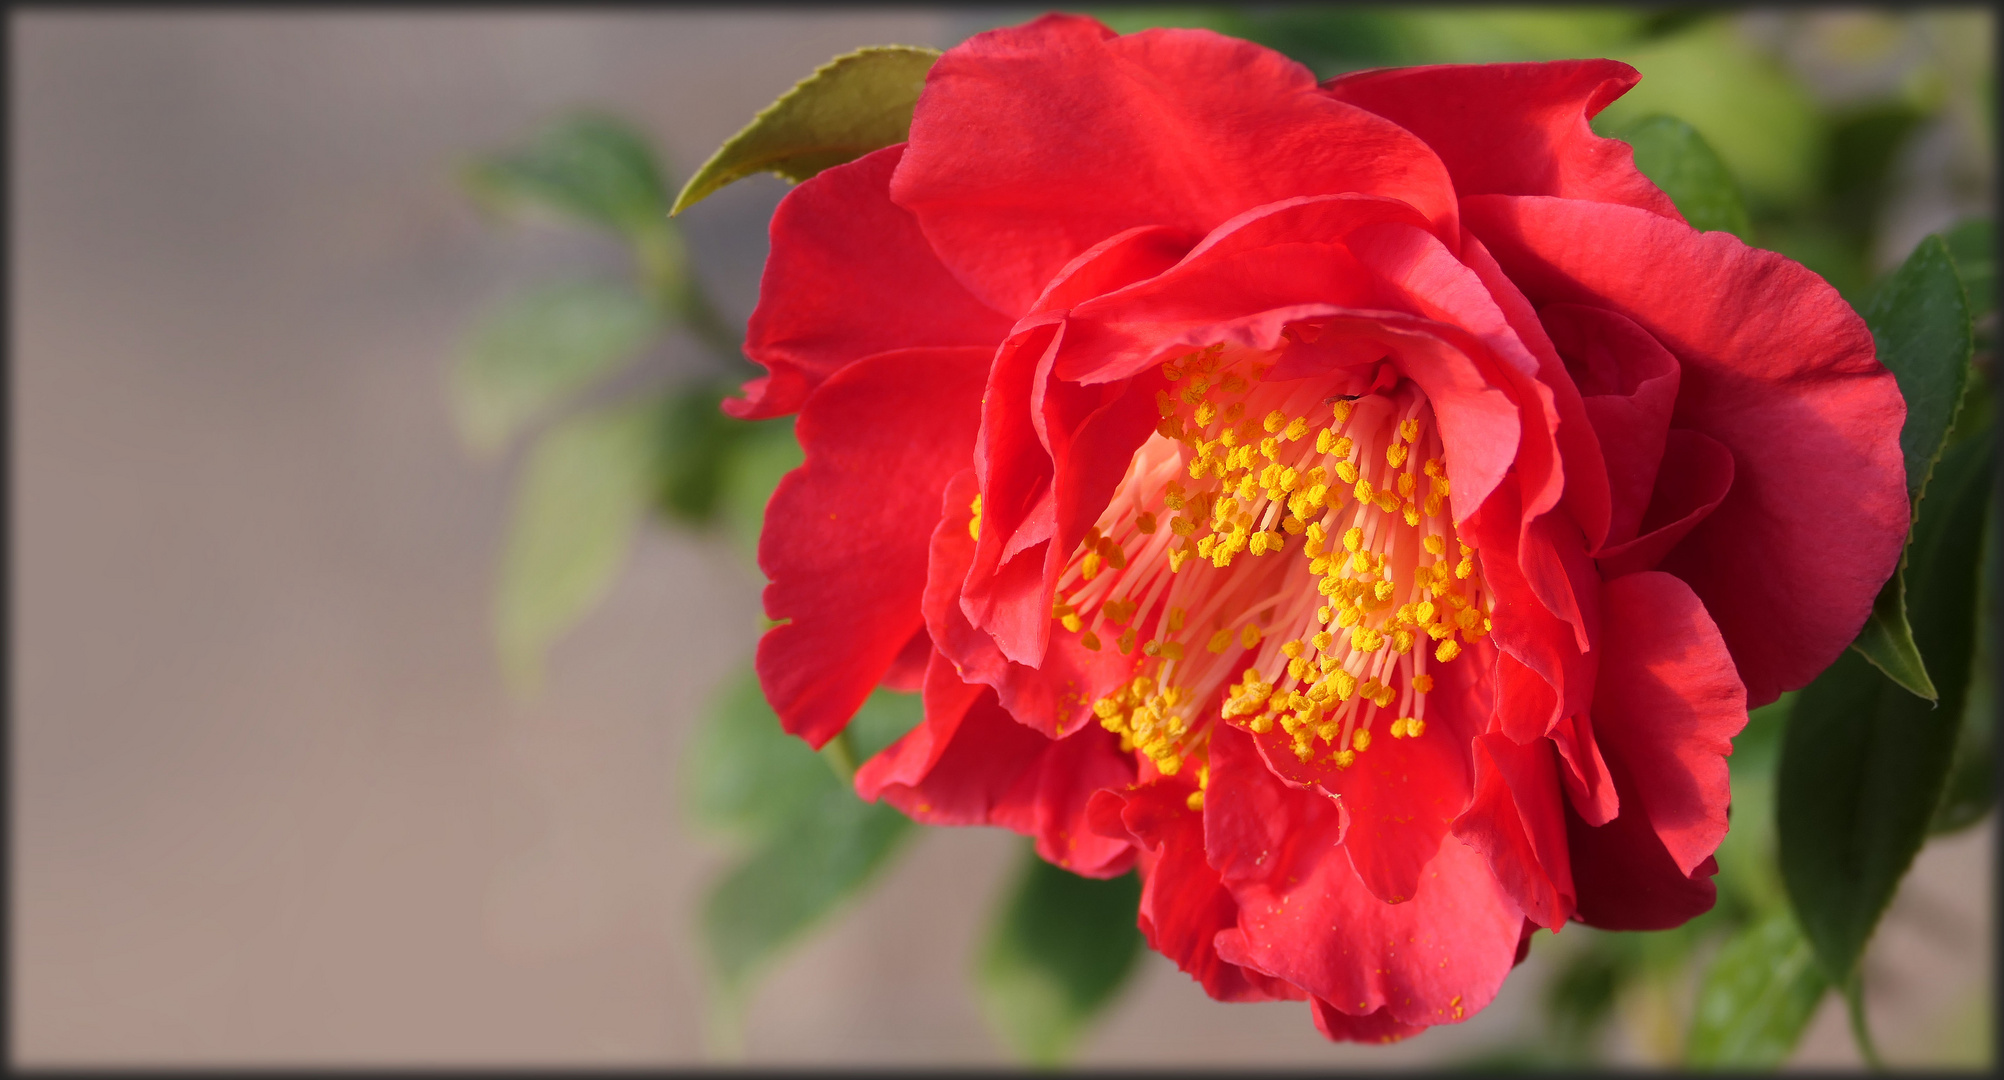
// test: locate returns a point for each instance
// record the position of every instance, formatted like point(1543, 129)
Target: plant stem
point(1854, 1002)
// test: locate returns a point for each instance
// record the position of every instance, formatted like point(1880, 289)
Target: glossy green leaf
point(849, 106)
point(1971, 789)
point(1058, 952)
point(821, 858)
point(1864, 761)
point(1920, 324)
point(1677, 159)
point(583, 491)
point(1756, 998)
point(541, 349)
point(1973, 246)
point(590, 167)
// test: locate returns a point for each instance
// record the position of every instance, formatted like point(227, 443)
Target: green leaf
point(1863, 761)
point(1920, 324)
point(822, 857)
point(1677, 159)
point(815, 843)
point(1971, 789)
point(698, 443)
point(583, 491)
point(768, 453)
point(1057, 953)
point(743, 775)
point(1756, 998)
point(591, 167)
point(1973, 243)
point(849, 106)
point(541, 349)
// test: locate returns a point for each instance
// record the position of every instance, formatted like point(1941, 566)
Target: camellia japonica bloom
point(1367, 507)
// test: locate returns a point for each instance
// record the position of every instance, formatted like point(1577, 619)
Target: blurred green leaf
point(1758, 118)
point(768, 452)
point(591, 167)
point(1748, 877)
point(1864, 761)
point(1756, 998)
point(1580, 997)
point(744, 775)
point(540, 349)
point(584, 490)
point(1057, 953)
point(849, 106)
point(698, 442)
point(1676, 158)
point(822, 857)
point(815, 843)
point(884, 718)
point(1920, 324)
point(1488, 34)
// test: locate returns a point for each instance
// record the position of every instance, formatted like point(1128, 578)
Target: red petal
point(1183, 904)
point(1517, 822)
point(1305, 916)
point(1625, 879)
point(1515, 129)
point(1696, 476)
point(1777, 367)
point(1585, 771)
point(846, 535)
point(1666, 709)
point(1374, 1027)
point(1032, 143)
point(850, 275)
point(1630, 385)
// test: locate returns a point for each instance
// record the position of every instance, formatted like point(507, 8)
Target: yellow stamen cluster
point(1239, 469)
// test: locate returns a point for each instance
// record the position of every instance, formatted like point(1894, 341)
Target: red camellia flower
point(1368, 506)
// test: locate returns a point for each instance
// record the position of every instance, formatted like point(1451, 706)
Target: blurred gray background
point(271, 803)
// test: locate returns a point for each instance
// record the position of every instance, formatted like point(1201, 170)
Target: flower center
point(1323, 645)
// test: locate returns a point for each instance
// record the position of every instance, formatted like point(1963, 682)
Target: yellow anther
point(1448, 650)
point(1406, 485)
point(1344, 683)
point(1324, 613)
point(1219, 641)
point(1275, 541)
point(1106, 708)
point(1176, 616)
point(1344, 446)
point(1395, 454)
point(1228, 437)
point(1360, 562)
point(1364, 490)
point(1318, 564)
point(1145, 521)
point(1346, 472)
point(1072, 623)
point(1173, 496)
point(1274, 421)
point(1422, 683)
point(1165, 404)
point(1382, 590)
point(1262, 724)
point(1204, 546)
point(1125, 643)
point(1151, 647)
point(1365, 639)
point(1177, 558)
point(1292, 525)
point(1287, 479)
point(1195, 801)
point(1402, 641)
point(1345, 758)
point(1236, 411)
point(1465, 567)
point(1341, 410)
point(1090, 640)
point(1423, 612)
point(1060, 609)
point(1269, 448)
point(1297, 669)
point(1293, 648)
point(1434, 467)
point(1409, 430)
point(1089, 566)
point(1206, 413)
point(1182, 526)
point(1221, 556)
point(1198, 466)
point(1410, 513)
point(1247, 485)
point(1233, 384)
point(1169, 765)
point(1353, 540)
point(1249, 636)
point(1361, 740)
point(1414, 727)
point(1325, 440)
point(1399, 728)
point(1349, 616)
point(1296, 428)
point(1323, 641)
